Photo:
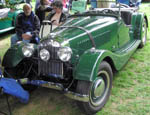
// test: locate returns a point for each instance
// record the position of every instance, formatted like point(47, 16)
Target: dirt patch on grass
point(46, 102)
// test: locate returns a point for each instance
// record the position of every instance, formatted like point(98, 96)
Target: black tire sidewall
point(84, 87)
point(105, 67)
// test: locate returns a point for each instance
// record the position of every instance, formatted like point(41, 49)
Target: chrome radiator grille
point(53, 67)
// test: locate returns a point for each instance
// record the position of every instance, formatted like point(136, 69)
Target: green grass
point(130, 93)
point(4, 42)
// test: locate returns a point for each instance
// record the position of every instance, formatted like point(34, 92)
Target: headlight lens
point(64, 53)
point(28, 50)
point(44, 55)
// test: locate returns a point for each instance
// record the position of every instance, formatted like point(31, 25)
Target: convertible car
point(8, 15)
point(80, 56)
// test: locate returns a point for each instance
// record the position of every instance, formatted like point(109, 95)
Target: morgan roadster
point(80, 56)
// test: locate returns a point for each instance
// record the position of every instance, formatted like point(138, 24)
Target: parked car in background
point(8, 14)
point(80, 56)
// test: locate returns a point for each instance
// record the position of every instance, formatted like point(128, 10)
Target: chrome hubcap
point(100, 88)
point(144, 32)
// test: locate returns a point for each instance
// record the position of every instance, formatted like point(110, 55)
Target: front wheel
point(144, 34)
point(98, 90)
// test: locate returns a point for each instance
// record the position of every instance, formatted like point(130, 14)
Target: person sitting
point(27, 26)
point(57, 16)
point(43, 9)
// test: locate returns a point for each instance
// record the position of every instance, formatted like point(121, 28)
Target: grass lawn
point(5, 42)
point(130, 93)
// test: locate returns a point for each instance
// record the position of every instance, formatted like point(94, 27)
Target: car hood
point(70, 29)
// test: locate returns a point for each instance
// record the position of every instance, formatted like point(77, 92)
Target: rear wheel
point(144, 34)
point(98, 90)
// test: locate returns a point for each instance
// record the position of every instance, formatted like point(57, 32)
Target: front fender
point(88, 64)
point(13, 56)
point(139, 23)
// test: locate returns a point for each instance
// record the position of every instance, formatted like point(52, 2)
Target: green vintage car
point(80, 57)
point(8, 15)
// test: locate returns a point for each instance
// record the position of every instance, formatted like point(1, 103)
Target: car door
point(123, 34)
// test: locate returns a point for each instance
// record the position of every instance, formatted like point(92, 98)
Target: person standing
point(28, 2)
point(57, 16)
point(43, 9)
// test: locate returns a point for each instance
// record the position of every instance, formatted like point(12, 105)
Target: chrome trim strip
point(77, 96)
point(53, 86)
point(72, 95)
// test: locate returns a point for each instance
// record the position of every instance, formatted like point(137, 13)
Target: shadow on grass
point(43, 101)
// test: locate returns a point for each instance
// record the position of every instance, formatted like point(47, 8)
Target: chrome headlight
point(44, 55)
point(28, 50)
point(64, 53)
point(53, 43)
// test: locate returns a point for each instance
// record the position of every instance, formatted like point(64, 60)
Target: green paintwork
point(14, 55)
point(8, 23)
point(115, 43)
point(87, 70)
point(15, 1)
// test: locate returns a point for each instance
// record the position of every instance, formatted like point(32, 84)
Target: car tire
point(98, 91)
point(9, 73)
point(144, 34)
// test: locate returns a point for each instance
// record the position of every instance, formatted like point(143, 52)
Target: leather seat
point(126, 16)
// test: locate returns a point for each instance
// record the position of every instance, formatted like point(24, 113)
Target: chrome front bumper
point(57, 86)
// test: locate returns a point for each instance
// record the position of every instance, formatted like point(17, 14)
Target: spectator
point(57, 16)
point(134, 3)
point(37, 4)
point(43, 9)
point(27, 26)
point(28, 2)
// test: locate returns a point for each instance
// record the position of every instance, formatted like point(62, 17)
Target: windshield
point(101, 12)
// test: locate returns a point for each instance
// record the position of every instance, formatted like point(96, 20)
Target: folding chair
point(79, 6)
